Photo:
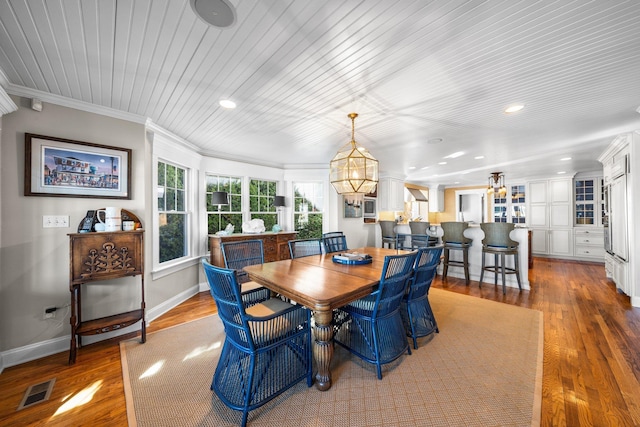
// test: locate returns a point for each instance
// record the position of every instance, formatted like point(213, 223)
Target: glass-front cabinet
point(585, 201)
point(511, 206)
point(588, 214)
point(588, 201)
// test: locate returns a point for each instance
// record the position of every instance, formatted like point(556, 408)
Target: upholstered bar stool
point(419, 236)
point(422, 229)
point(388, 233)
point(498, 242)
point(453, 239)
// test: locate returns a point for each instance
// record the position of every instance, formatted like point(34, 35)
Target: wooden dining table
point(322, 285)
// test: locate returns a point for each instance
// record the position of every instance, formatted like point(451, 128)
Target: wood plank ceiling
point(415, 71)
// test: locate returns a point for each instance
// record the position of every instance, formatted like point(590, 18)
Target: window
point(261, 194)
point(585, 200)
point(219, 216)
point(172, 212)
point(308, 205)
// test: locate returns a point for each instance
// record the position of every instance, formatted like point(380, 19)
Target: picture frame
point(57, 167)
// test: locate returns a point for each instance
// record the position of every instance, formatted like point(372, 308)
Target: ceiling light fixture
point(454, 155)
point(496, 184)
point(479, 157)
point(513, 108)
point(353, 169)
point(564, 159)
point(218, 13)
point(227, 103)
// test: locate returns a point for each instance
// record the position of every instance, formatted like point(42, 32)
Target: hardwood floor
point(591, 356)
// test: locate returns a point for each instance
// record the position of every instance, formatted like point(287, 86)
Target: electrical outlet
point(55, 221)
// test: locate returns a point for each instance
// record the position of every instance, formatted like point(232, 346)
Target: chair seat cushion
point(267, 308)
point(249, 286)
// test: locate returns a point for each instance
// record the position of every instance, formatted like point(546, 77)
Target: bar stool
point(497, 242)
point(453, 239)
point(421, 228)
point(388, 233)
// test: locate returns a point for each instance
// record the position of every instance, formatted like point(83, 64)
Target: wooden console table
point(275, 245)
point(103, 256)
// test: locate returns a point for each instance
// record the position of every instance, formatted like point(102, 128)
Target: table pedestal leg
point(323, 347)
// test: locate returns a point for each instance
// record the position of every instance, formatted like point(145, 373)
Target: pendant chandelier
point(353, 169)
point(496, 184)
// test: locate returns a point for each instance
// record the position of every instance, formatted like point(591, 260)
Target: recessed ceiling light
point(479, 157)
point(457, 182)
point(426, 167)
point(561, 172)
point(565, 158)
point(513, 108)
point(411, 168)
point(434, 141)
point(442, 163)
point(227, 103)
point(454, 155)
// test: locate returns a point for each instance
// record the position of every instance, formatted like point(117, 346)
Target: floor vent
point(37, 393)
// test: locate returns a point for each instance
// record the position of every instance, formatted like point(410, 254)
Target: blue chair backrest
point(396, 272)
point(332, 234)
point(241, 254)
point(225, 290)
point(335, 244)
point(305, 247)
point(424, 271)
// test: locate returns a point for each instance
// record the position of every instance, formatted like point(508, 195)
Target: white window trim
point(165, 146)
point(325, 195)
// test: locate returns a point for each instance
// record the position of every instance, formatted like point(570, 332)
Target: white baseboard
point(41, 349)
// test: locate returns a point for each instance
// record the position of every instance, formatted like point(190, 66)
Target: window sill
point(174, 268)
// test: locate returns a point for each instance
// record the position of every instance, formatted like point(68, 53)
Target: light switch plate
point(55, 221)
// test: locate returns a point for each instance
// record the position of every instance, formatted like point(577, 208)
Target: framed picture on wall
point(57, 167)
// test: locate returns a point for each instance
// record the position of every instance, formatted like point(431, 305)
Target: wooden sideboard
point(275, 245)
point(103, 256)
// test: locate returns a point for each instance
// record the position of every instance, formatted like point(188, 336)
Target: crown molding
point(73, 103)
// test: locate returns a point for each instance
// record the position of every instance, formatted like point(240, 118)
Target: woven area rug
point(484, 368)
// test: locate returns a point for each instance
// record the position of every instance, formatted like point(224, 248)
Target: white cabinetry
point(619, 181)
point(390, 194)
point(588, 243)
point(588, 235)
point(550, 203)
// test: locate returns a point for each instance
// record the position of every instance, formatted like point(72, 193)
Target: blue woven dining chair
point(332, 234)
point(335, 243)
point(240, 254)
point(371, 327)
point(305, 247)
point(415, 308)
point(267, 347)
